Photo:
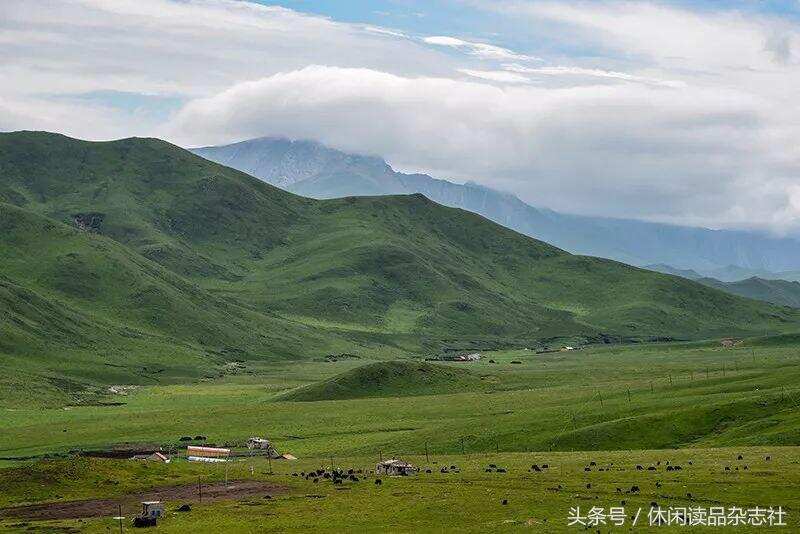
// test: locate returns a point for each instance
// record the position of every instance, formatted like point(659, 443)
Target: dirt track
point(173, 496)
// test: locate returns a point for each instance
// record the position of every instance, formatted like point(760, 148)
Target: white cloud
point(502, 76)
point(188, 48)
point(592, 73)
point(386, 31)
point(482, 50)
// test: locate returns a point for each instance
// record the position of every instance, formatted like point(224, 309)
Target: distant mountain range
point(779, 292)
point(776, 291)
point(731, 273)
point(313, 170)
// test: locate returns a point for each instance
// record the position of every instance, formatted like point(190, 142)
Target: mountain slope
point(80, 309)
point(134, 260)
point(313, 170)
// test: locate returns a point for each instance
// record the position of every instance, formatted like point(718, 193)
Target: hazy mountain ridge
point(774, 291)
point(689, 274)
point(310, 169)
point(781, 292)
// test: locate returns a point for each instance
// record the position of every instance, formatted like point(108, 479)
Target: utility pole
point(200, 490)
point(119, 516)
point(462, 445)
point(629, 395)
point(427, 460)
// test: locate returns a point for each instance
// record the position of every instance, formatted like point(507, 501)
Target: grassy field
point(469, 500)
point(652, 403)
point(607, 397)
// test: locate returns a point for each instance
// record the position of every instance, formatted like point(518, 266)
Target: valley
point(399, 266)
point(151, 297)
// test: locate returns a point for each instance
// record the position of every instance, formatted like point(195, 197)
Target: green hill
point(388, 379)
point(79, 309)
point(135, 261)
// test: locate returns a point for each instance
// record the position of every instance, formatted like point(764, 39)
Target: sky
point(671, 111)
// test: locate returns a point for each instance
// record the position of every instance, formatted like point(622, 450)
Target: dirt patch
point(172, 496)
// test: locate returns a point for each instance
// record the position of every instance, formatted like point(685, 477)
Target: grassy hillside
point(80, 310)
point(135, 260)
point(388, 379)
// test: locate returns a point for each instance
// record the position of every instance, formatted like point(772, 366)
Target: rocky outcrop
point(88, 222)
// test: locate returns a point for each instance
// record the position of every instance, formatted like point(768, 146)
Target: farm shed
point(207, 453)
point(394, 467)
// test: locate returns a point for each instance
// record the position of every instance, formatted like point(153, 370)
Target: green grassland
point(566, 409)
point(468, 501)
point(137, 262)
point(649, 396)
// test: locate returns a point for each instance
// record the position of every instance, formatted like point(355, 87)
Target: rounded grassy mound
point(388, 379)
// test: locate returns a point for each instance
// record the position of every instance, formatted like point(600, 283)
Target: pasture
point(469, 500)
point(617, 406)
